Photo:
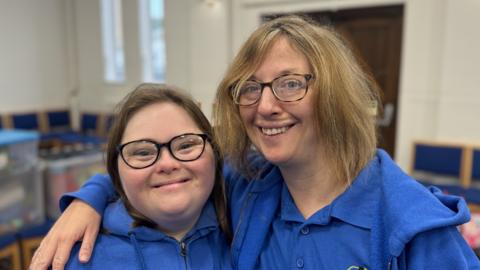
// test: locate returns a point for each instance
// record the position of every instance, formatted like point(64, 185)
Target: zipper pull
point(183, 249)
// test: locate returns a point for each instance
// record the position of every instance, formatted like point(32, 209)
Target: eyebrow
point(279, 74)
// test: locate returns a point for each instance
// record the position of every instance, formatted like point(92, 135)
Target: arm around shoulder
point(96, 192)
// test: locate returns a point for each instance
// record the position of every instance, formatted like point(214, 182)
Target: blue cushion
point(438, 159)
point(476, 165)
point(110, 121)
point(35, 230)
point(89, 122)
point(471, 195)
point(25, 121)
point(7, 239)
point(58, 120)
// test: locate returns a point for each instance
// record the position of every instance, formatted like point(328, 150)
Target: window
point(112, 39)
point(152, 40)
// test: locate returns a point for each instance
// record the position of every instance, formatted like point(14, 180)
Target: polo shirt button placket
point(305, 230)
point(300, 263)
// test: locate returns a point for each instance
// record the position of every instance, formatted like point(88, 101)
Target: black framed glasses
point(286, 88)
point(141, 154)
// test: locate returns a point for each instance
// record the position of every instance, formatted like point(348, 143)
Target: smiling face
point(170, 192)
point(283, 132)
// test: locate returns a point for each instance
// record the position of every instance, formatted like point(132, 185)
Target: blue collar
point(353, 206)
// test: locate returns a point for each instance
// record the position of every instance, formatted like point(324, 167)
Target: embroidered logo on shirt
point(354, 267)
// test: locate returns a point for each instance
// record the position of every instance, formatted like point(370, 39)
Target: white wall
point(33, 55)
point(94, 93)
point(440, 97)
point(197, 51)
point(209, 49)
point(459, 99)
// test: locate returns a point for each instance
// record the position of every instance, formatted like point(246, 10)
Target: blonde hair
point(343, 94)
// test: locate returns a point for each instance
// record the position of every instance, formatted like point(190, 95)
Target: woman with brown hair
point(171, 211)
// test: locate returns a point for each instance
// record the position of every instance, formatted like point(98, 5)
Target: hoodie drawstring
point(134, 242)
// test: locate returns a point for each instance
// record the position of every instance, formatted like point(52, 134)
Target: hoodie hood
point(407, 208)
point(117, 221)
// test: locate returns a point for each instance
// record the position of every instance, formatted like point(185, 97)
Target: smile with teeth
point(274, 131)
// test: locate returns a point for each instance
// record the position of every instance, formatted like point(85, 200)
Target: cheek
point(129, 179)
point(206, 171)
point(247, 114)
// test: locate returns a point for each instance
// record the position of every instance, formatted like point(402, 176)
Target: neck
point(312, 186)
point(176, 229)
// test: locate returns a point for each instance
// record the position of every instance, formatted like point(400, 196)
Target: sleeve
point(442, 248)
point(98, 191)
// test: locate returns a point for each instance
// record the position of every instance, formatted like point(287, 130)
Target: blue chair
point(109, 123)
point(30, 238)
point(59, 121)
point(438, 159)
point(10, 257)
point(476, 166)
point(89, 123)
point(28, 121)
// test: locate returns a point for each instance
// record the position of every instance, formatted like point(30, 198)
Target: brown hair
point(343, 94)
point(142, 96)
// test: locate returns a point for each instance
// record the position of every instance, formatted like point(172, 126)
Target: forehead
point(282, 57)
point(160, 122)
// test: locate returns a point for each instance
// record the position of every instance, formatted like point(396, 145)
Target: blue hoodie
point(411, 227)
point(124, 247)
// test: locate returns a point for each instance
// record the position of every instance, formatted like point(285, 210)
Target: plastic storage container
point(67, 172)
point(21, 186)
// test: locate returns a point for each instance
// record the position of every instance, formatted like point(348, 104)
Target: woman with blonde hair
point(307, 187)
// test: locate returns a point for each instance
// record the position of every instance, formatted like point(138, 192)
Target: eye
point(140, 150)
point(291, 84)
point(188, 146)
point(185, 146)
point(249, 88)
point(143, 152)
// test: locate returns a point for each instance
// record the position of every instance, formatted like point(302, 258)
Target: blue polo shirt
point(339, 230)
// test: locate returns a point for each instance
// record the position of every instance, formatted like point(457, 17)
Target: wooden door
point(375, 34)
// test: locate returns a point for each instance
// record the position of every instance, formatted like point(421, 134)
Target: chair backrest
point(89, 123)
point(438, 159)
point(109, 122)
point(27, 121)
point(476, 166)
point(59, 120)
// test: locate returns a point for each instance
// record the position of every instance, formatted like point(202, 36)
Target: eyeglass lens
point(141, 154)
point(286, 88)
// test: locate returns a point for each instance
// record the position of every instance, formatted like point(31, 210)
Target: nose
point(268, 103)
point(166, 163)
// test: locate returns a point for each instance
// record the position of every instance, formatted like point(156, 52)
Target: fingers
point(89, 238)
point(62, 253)
point(43, 255)
point(78, 222)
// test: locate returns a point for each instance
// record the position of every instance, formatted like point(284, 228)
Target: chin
point(176, 209)
point(275, 158)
